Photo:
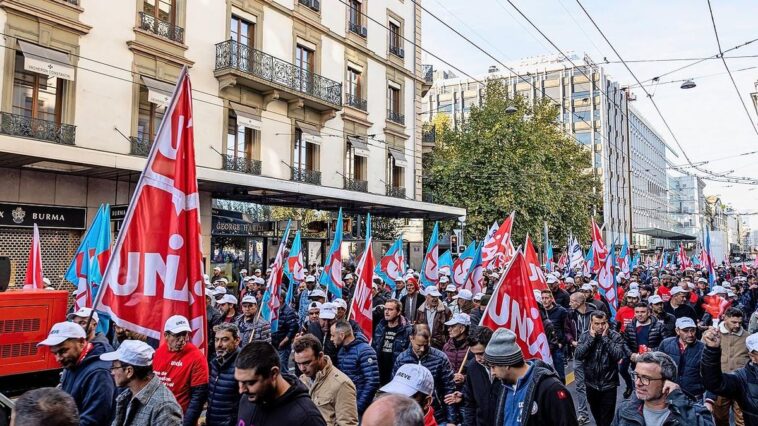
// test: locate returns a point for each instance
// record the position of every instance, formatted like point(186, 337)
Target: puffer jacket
point(91, 385)
point(600, 356)
point(480, 396)
point(456, 352)
point(438, 326)
point(740, 386)
point(402, 337)
point(669, 324)
point(688, 364)
point(358, 361)
point(287, 326)
point(438, 364)
point(654, 337)
point(258, 329)
point(547, 401)
point(682, 411)
point(314, 328)
point(223, 392)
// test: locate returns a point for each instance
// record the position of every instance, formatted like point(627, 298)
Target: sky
point(709, 121)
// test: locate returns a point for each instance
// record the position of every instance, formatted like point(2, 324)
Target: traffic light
point(454, 244)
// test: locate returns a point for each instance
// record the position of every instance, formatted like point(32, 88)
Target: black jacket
point(547, 400)
point(480, 396)
point(669, 323)
point(600, 357)
point(222, 392)
point(411, 316)
point(562, 297)
point(682, 411)
point(294, 408)
point(740, 385)
point(559, 316)
point(654, 337)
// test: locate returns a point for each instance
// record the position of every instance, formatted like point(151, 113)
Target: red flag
point(361, 306)
point(155, 270)
point(684, 260)
point(716, 305)
point(33, 280)
point(599, 250)
point(513, 306)
point(536, 276)
point(744, 269)
point(498, 250)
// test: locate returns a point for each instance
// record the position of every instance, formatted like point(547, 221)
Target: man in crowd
point(686, 351)
point(412, 300)
point(600, 350)
point(268, 397)
point(666, 319)
point(45, 407)
point(144, 400)
point(739, 385)
point(560, 295)
point(644, 333)
point(223, 396)
point(395, 410)
point(358, 361)
point(435, 360)
point(434, 313)
point(532, 393)
point(658, 400)
point(581, 315)
point(416, 382)
point(331, 390)
point(456, 348)
point(734, 355)
point(85, 377)
point(559, 316)
point(288, 326)
point(182, 368)
point(480, 392)
point(678, 304)
point(399, 290)
point(228, 308)
point(251, 326)
point(478, 311)
point(391, 337)
point(82, 317)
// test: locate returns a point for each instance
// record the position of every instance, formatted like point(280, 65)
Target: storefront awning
point(399, 157)
point(664, 234)
point(310, 133)
point(49, 62)
point(359, 145)
point(247, 116)
point(158, 92)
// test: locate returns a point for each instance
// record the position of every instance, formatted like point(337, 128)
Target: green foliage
point(498, 162)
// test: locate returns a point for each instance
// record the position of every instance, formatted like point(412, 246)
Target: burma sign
point(26, 215)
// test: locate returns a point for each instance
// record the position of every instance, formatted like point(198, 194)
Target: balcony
point(358, 29)
point(242, 165)
point(50, 131)
point(161, 28)
point(395, 191)
point(397, 51)
point(428, 135)
point(312, 4)
point(140, 145)
point(427, 73)
point(356, 102)
point(395, 117)
point(237, 64)
point(306, 176)
point(356, 185)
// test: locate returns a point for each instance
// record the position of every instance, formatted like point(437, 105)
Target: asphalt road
point(572, 388)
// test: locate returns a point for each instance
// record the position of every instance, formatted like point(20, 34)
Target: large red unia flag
point(156, 267)
point(536, 276)
point(513, 307)
point(361, 306)
point(498, 250)
point(33, 279)
point(599, 250)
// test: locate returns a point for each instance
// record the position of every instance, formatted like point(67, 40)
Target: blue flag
point(270, 303)
point(294, 268)
point(462, 264)
point(392, 265)
point(331, 276)
point(446, 263)
point(711, 269)
point(429, 274)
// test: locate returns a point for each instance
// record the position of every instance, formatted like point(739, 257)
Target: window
point(395, 40)
point(242, 31)
point(355, 14)
point(149, 117)
point(353, 83)
point(304, 59)
point(164, 10)
point(240, 140)
point(304, 153)
point(393, 100)
point(445, 107)
point(355, 164)
point(36, 95)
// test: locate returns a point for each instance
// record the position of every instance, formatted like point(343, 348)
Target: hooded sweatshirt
point(293, 408)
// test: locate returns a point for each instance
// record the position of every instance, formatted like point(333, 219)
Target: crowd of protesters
point(683, 344)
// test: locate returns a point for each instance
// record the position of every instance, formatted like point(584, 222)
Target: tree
point(498, 162)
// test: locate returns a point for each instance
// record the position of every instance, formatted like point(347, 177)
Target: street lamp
point(688, 84)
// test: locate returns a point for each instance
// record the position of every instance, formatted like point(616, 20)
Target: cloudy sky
point(709, 121)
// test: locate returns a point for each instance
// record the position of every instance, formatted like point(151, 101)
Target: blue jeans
point(284, 358)
point(558, 364)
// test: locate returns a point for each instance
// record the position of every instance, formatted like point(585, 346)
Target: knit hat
point(503, 349)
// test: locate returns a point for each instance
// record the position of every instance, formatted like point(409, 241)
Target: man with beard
point(268, 397)
point(82, 317)
point(434, 313)
point(391, 337)
point(667, 320)
point(642, 335)
point(559, 316)
point(678, 306)
point(85, 377)
point(686, 351)
point(223, 396)
point(480, 392)
point(251, 326)
point(560, 295)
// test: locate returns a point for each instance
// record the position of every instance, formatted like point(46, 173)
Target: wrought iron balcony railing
point(356, 102)
point(356, 184)
point(428, 135)
point(74, 2)
point(307, 176)
point(140, 145)
point(395, 191)
point(241, 164)
point(397, 51)
point(313, 4)
point(233, 55)
point(396, 117)
point(162, 28)
point(358, 29)
point(427, 72)
point(50, 131)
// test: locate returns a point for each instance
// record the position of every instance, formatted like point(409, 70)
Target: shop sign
point(56, 217)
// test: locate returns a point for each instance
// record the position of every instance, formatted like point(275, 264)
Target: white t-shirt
point(655, 417)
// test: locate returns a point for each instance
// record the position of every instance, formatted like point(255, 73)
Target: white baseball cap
point(451, 288)
point(314, 305)
point(243, 271)
point(349, 277)
point(676, 290)
point(685, 322)
point(551, 279)
point(317, 292)
point(568, 280)
point(462, 319)
point(257, 271)
point(726, 284)
point(634, 286)
point(310, 279)
point(444, 279)
point(432, 291)
point(478, 296)
point(61, 332)
point(340, 303)
point(228, 298)
point(752, 342)
point(134, 352)
point(83, 313)
point(586, 287)
point(464, 294)
point(717, 289)
point(249, 299)
point(633, 293)
point(410, 379)
point(328, 311)
point(654, 299)
point(219, 290)
point(593, 283)
point(702, 280)
point(177, 324)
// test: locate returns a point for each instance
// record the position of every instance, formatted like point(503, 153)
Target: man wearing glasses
point(182, 368)
point(659, 401)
